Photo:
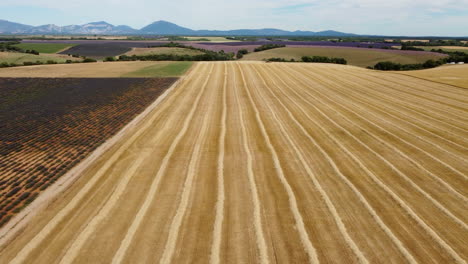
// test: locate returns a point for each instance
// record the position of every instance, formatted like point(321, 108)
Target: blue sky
point(382, 17)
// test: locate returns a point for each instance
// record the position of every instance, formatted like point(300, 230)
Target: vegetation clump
point(240, 53)
point(323, 59)
point(268, 47)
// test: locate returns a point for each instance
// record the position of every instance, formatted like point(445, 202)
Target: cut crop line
point(396, 78)
point(311, 251)
point(399, 138)
point(82, 194)
point(396, 198)
point(397, 101)
point(261, 244)
point(75, 248)
point(362, 101)
point(120, 254)
point(181, 210)
point(403, 175)
point(405, 92)
point(331, 207)
point(441, 108)
point(330, 160)
point(218, 225)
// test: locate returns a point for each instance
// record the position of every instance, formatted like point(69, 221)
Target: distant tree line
point(435, 42)
point(311, 59)
point(455, 56)
point(406, 47)
point(31, 63)
point(269, 46)
point(10, 47)
point(323, 59)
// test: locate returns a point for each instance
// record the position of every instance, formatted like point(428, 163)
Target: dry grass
point(319, 163)
point(450, 74)
point(355, 56)
point(163, 50)
point(99, 69)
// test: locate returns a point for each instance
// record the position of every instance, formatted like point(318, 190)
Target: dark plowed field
point(98, 51)
point(47, 126)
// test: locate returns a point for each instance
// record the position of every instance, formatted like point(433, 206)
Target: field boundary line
point(335, 167)
point(260, 239)
point(396, 198)
point(21, 220)
point(125, 243)
point(311, 251)
point(219, 216)
point(331, 207)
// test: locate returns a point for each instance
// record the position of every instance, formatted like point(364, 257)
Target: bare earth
point(272, 163)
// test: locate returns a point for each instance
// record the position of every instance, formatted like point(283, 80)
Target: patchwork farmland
point(249, 162)
point(49, 125)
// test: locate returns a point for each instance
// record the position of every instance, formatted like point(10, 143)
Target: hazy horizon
point(366, 17)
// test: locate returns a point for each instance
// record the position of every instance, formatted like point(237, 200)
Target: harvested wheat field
point(270, 163)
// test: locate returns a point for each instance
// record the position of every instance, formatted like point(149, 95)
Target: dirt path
point(272, 163)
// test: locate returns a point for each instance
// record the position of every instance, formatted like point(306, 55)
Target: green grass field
point(44, 47)
point(163, 69)
point(163, 50)
point(19, 58)
point(355, 56)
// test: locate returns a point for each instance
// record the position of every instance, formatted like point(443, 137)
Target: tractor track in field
point(250, 162)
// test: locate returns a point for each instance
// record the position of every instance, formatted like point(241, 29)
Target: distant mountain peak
point(160, 27)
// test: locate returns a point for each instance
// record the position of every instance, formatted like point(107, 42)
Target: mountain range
point(157, 28)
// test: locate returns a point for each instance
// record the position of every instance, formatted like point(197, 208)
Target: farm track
point(272, 163)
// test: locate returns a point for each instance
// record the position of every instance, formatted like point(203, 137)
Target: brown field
point(162, 50)
point(284, 163)
point(450, 74)
point(361, 57)
point(99, 69)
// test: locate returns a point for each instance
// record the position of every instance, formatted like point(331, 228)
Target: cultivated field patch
point(19, 58)
point(50, 125)
point(163, 50)
point(355, 56)
point(251, 162)
point(98, 51)
point(45, 47)
point(99, 69)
